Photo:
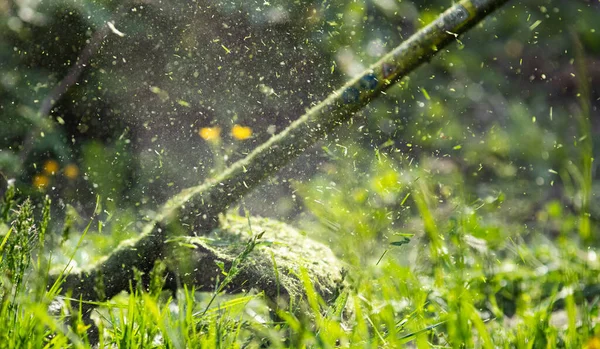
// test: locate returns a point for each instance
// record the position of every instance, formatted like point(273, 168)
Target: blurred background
point(132, 101)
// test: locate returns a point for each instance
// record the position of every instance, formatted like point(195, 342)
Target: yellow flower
point(241, 132)
point(210, 133)
point(71, 171)
point(40, 181)
point(593, 343)
point(51, 167)
point(82, 327)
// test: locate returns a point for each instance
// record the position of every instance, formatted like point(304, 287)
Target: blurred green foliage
point(466, 194)
point(505, 109)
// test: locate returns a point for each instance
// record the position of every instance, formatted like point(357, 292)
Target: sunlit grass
point(427, 266)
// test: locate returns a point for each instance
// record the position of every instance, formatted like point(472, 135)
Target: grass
point(470, 279)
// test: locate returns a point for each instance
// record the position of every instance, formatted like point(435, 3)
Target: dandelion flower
point(241, 132)
point(51, 167)
point(71, 171)
point(210, 134)
point(40, 181)
point(593, 343)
